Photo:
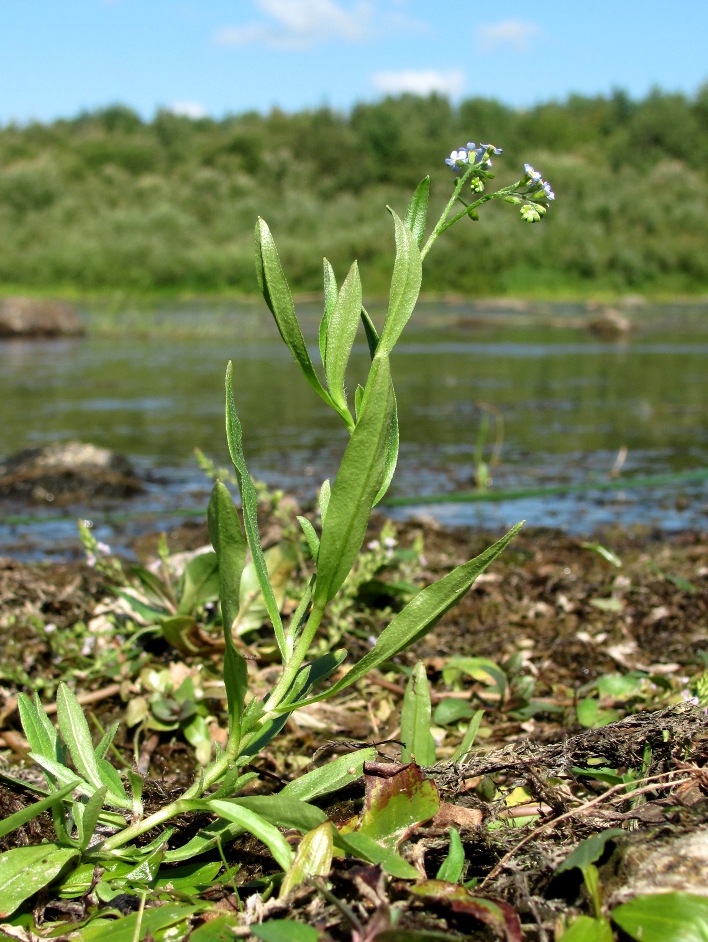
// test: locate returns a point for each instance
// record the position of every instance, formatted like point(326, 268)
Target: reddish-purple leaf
point(498, 915)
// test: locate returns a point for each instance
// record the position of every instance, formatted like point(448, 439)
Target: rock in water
point(27, 317)
point(67, 472)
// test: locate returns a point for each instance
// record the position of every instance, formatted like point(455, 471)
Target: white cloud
point(189, 109)
point(515, 34)
point(301, 24)
point(420, 82)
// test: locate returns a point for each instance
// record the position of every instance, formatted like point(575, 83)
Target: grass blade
point(469, 737)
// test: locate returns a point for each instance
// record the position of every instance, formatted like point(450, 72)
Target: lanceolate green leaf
point(420, 615)
point(77, 736)
point(417, 211)
point(19, 818)
point(104, 745)
point(43, 738)
point(283, 930)
point(659, 917)
point(313, 858)
point(151, 922)
point(200, 582)
point(372, 336)
point(341, 331)
point(452, 867)
point(229, 543)
point(356, 485)
point(335, 774)
point(276, 293)
point(310, 534)
point(284, 811)
point(249, 501)
point(419, 745)
point(405, 285)
point(392, 444)
point(330, 299)
point(86, 816)
point(26, 870)
point(63, 775)
point(366, 848)
point(323, 498)
point(308, 677)
point(253, 823)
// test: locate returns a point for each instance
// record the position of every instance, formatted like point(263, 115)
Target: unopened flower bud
point(530, 213)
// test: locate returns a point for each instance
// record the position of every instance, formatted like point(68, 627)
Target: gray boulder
point(27, 317)
point(67, 472)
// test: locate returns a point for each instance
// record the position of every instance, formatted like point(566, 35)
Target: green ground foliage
point(108, 201)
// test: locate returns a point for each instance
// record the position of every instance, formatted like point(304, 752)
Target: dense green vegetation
point(109, 202)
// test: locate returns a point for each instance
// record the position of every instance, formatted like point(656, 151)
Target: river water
point(571, 420)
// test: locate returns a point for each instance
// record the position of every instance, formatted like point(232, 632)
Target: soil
point(559, 614)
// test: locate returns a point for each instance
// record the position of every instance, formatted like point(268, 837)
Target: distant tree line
point(108, 201)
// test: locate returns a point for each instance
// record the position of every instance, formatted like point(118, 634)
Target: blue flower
point(476, 155)
point(532, 174)
point(482, 155)
point(550, 195)
point(457, 159)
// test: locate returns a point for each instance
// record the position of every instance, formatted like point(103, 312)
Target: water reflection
point(569, 403)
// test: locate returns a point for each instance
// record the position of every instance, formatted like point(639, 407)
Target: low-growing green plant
point(98, 816)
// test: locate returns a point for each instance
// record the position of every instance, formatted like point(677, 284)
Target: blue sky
point(59, 57)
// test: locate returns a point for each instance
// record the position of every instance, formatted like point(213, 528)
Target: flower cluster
point(541, 189)
point(475, 162)
point(536, 189)
point(474, 155)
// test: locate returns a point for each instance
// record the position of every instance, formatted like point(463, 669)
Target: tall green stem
point(297, 658)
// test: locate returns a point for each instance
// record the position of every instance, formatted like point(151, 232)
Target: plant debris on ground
point(574, 670)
